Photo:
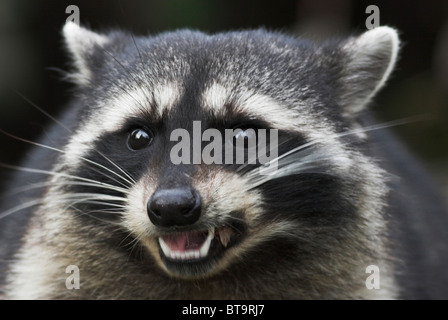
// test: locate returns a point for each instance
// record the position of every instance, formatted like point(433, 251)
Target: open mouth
point(195, 252)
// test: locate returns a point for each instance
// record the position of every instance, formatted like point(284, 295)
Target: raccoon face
point(145, 103)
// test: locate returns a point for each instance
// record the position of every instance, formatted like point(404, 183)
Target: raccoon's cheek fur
point(196, 247)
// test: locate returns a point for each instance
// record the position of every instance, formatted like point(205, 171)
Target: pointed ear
point(370, 60)
point(82, 44)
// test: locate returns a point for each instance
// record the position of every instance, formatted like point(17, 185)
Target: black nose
point(174, 207)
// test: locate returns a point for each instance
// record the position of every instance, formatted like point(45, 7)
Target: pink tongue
point(185, 240)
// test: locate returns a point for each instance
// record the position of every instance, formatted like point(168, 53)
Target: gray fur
point(175, 78)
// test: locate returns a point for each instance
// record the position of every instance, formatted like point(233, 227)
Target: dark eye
point(245, 134)
point(139, 138)
point(242, 136)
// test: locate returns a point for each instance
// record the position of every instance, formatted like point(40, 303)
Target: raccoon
point(100, 194)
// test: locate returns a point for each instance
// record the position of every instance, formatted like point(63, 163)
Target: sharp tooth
point(166, 250)
point(224, 235)
point(190, 254)
point(206, 245)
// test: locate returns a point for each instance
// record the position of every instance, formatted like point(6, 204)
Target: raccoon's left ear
point(370, 60)
point(82, 44)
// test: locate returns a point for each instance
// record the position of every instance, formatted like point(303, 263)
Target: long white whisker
point(92, 201)
point(130, 182)
point(42, 110)
point(89, 213)
point(289, 166)
point(70, 131)
point(86, 199)
point(91, 198)
point(307, 158)
point(72, 183)
point(56, 174)
point(259, 150)
point(343, 134)
point(87, 195)
point(20, 207)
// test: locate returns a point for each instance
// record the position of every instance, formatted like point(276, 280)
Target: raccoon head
point(144, 100)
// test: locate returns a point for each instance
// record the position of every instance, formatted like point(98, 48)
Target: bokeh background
point(31, 53)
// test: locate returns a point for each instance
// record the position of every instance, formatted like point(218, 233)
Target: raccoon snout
point(174, 207)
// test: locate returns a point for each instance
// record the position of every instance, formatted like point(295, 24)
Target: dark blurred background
point(31, 51)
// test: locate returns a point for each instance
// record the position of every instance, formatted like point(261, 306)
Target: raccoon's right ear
point(370, 59)
point(82, 43)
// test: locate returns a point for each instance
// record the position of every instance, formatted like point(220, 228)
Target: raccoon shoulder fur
point(102, 194)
